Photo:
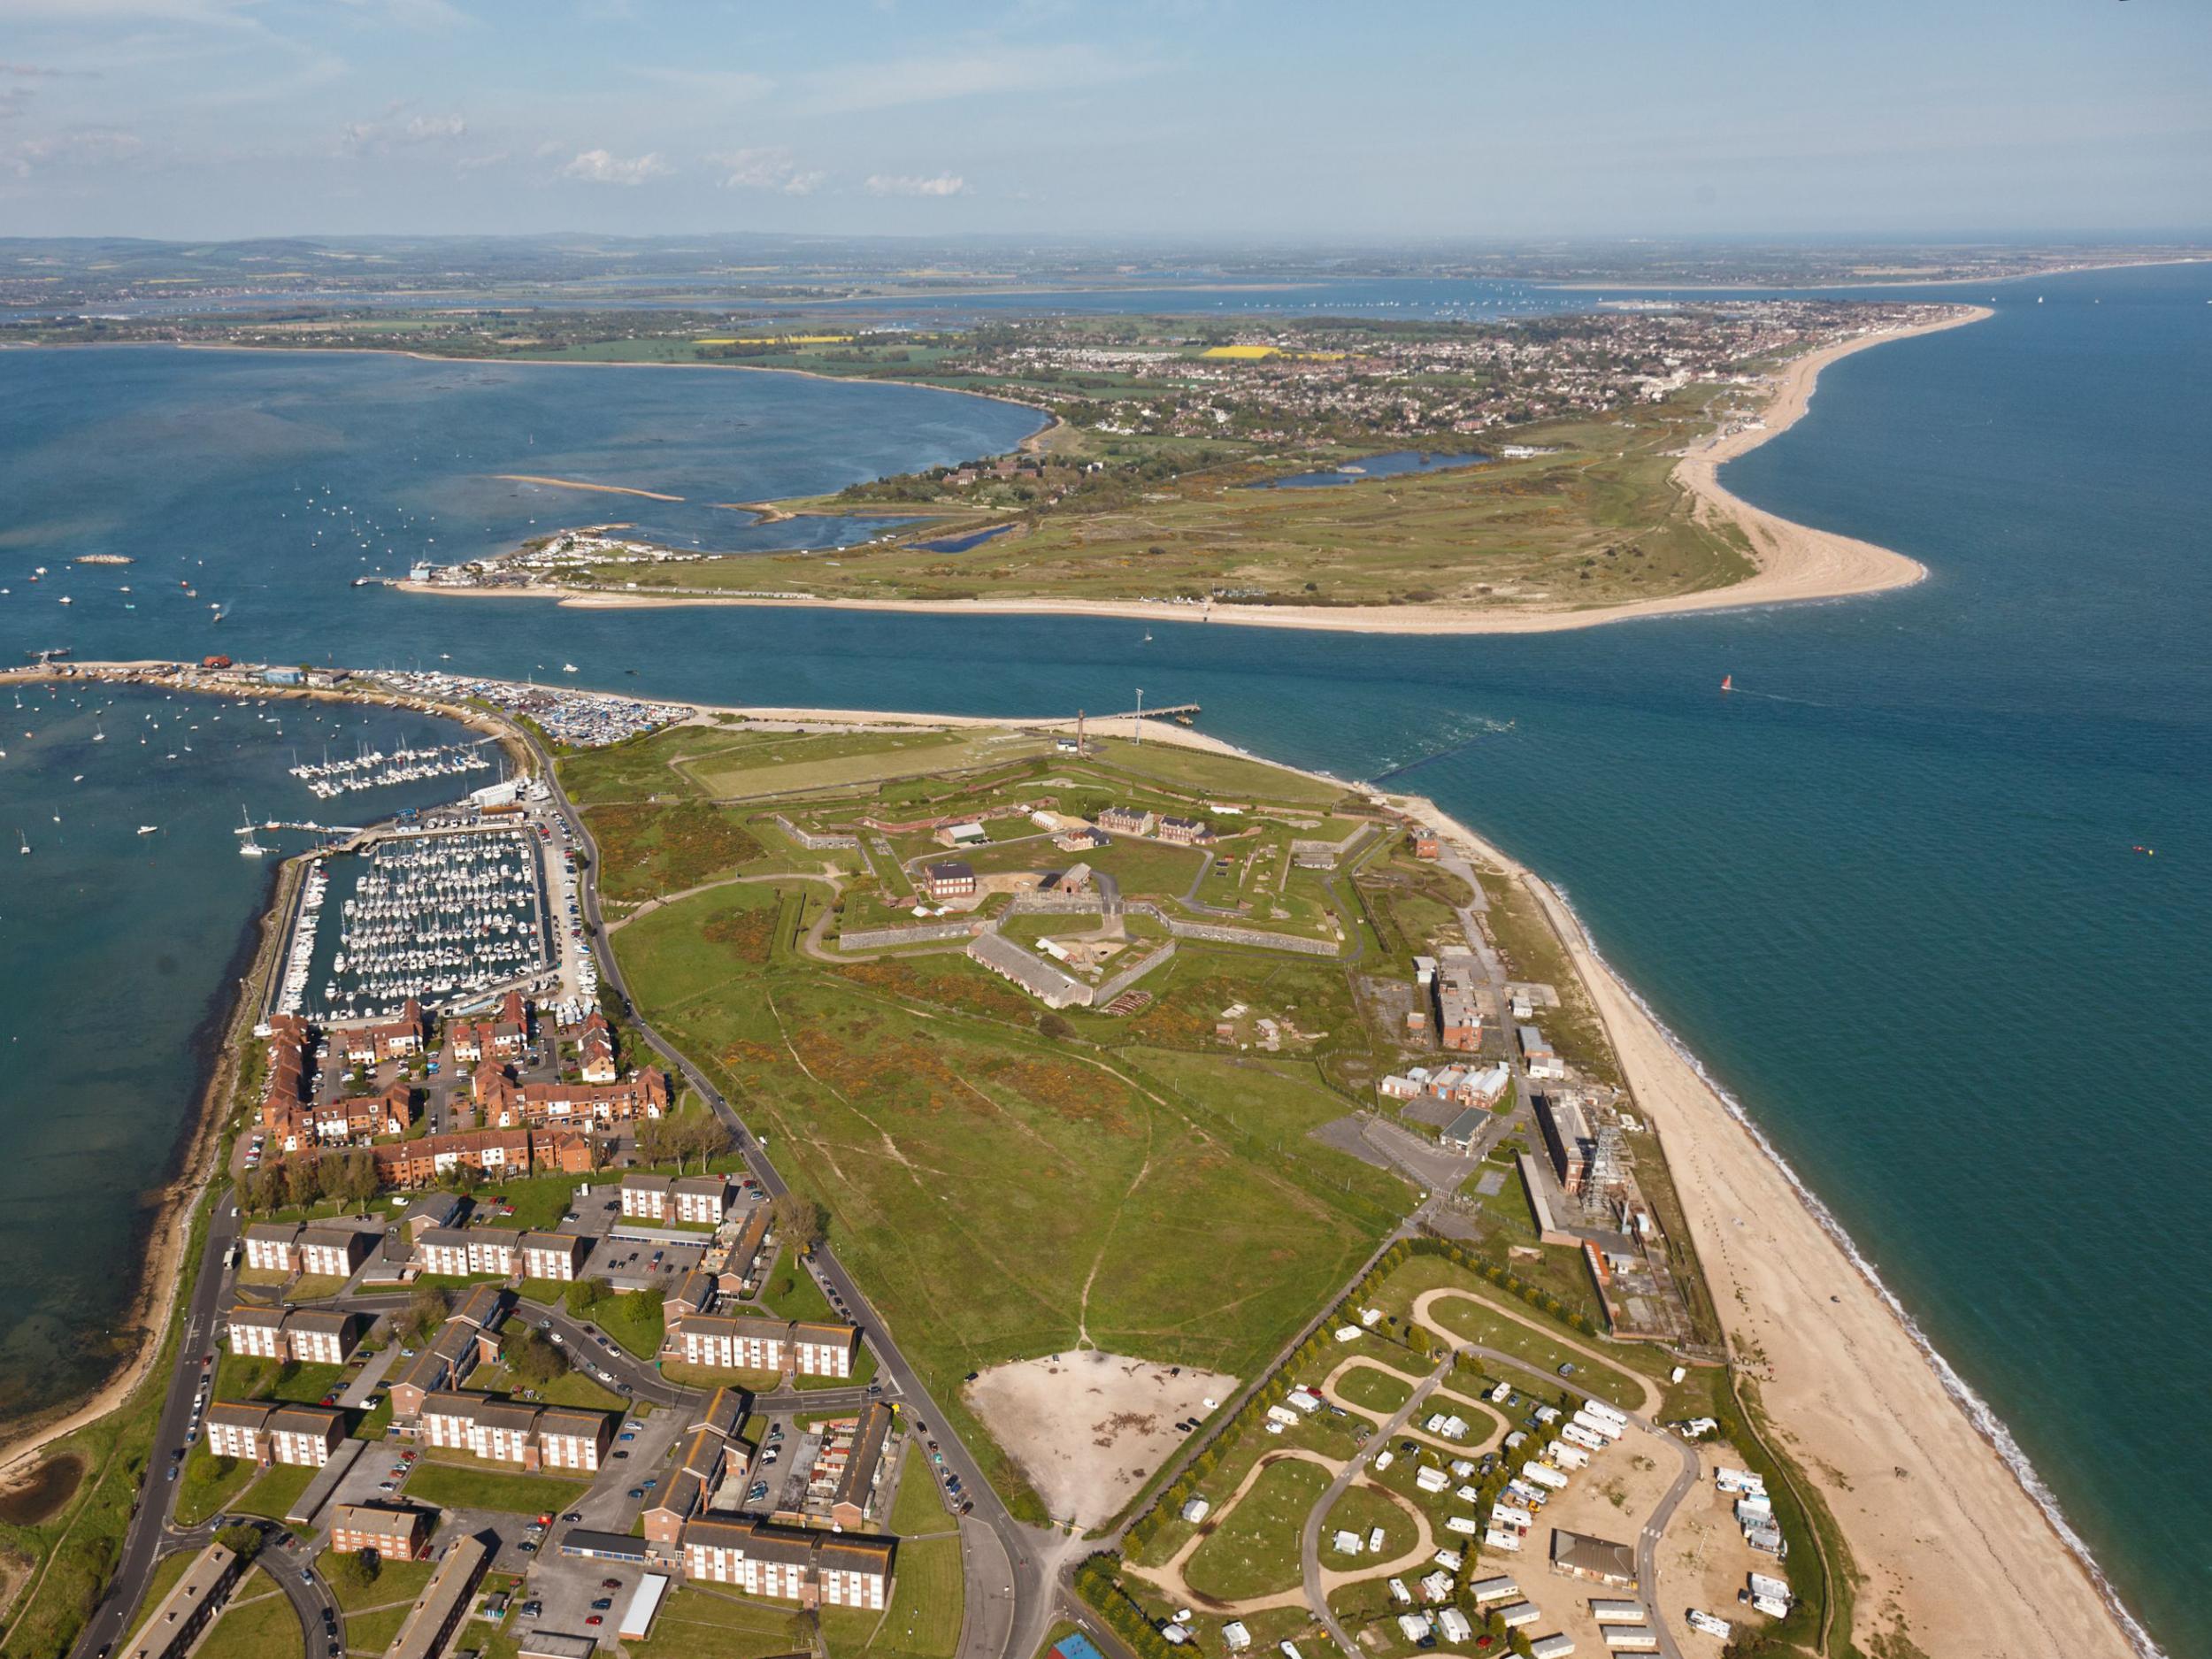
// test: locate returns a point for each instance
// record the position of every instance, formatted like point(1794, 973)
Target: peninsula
point(1564, 478)
point(965, 1177)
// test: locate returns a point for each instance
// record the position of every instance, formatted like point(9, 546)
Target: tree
point(240, 1539)
point(426, 1311)
point(1056, 1026)
point(798, 1221)
point(358, 1571)
point(534, 1360)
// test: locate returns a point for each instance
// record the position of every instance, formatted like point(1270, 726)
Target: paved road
point(1310, 1539)
point(1011, 1594)
point(1655, 1525)
point(151, 1532)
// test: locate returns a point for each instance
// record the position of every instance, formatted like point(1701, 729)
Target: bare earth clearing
point(1090, 1428)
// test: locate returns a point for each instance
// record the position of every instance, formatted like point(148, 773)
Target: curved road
point(1012, 1594)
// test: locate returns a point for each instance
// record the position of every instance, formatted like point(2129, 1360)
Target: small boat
point(568, 668)
point(1728, 682)
point(149, 829)
point(25, 840)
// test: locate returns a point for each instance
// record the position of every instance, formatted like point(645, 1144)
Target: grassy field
point(918, 1508)
point(645, 850)
point(785, 763)
point(1228, 778)
point(207, 1484)
point(277, 1491)
point(258, 1623)
point(374, 1632)
point(245, 1377)
point(997, 1194)
point(468, 1486)
point(1378, 1391)
point(399, 1581)
point(700, 1622)
point(1599, 521)
point(1253, 1551)
point(927, 1601)
point(1361, 1510)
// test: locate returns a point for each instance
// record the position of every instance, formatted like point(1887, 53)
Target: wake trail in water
point(1456, 741)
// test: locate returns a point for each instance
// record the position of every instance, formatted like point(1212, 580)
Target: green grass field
point(207, 1484)
point(700, 1622)
point(1361, 1510)
point(978, 1179)
point(468, 1485)
point(928, 1602)
point(258, 1623)
point(277, 1491)
point(1378, 1391)
point(400, 1581)
point(245, 1377)
point(918, 1508)
point(1254, 1550)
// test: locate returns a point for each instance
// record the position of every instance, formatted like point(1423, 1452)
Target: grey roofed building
point(1599, 1560)
point(1033, 973)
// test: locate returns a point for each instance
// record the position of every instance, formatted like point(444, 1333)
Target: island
point(779, 1179)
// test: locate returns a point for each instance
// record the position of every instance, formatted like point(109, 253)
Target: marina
point(375, 769)
point(441, 917)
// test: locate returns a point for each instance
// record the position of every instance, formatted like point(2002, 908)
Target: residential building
point(333, 1252)
point(311, 1336)
point(555, 1255)
point(1185, 831)
point(258, 1331)
point(445, 1602)
point(458, 1252)
point(395, 1532)
point(730, 1342)
point(1568, 1138)
point(262, 1433)
point(174, 1625)
point(273, 1248)
point(466, 1340)
point(711, 1452)
point(859, 1495)
point(788, 1564)
point(1126, 820)
point(531, 1437)
point(1426, 843)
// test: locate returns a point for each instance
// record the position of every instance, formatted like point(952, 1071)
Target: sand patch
point(1090, 1428)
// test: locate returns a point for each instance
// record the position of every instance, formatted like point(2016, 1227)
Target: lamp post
point(1139, 723)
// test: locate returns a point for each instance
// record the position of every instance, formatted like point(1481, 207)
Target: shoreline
point(1801, 288)
point(153, 1303)
point(1868, 1407)
point(1852, 1387)
point(1797, 563)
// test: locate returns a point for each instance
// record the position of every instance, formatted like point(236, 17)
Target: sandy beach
point(1948, 1541)
point(1795, 562)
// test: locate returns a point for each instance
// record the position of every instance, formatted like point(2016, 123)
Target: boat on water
point(1728, 682)
point(568, 668)
point(149, 829)
point(25, 840)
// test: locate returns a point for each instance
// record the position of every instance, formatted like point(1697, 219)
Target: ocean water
point(1888, 892)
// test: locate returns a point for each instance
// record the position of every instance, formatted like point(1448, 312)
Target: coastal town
point(503, 1307)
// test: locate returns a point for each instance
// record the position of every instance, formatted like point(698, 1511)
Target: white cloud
point(768, 168)
point(381, 138)
point(87, 147)
point(906, 184)
point(600, 166)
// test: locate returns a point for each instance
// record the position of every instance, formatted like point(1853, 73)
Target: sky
point(1118, 120)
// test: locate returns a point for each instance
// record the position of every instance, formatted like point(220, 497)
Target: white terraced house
point(460, 1251)
point(724, 1343)
point(646, 1197)
point(263, 1433)
point(813, 1568)
point(259, 1331)
point(822, 1349)
point(273, 1249)
point(333, 1252)
point(501, 1432)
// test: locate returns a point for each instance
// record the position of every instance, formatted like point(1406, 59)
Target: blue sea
point(1890, 892)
